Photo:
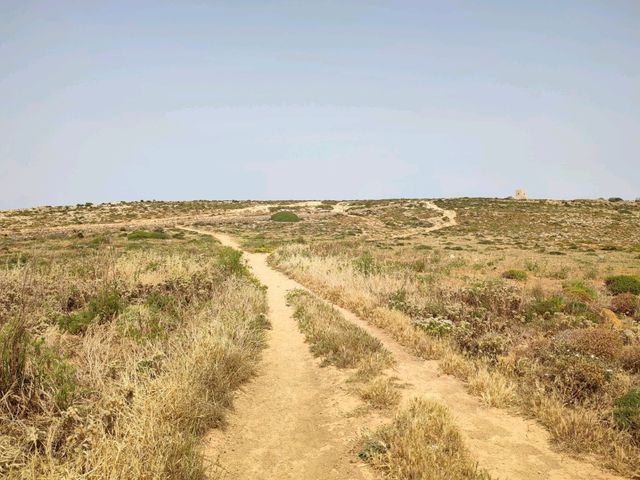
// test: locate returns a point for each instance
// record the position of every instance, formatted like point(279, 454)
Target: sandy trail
point(508, 446)
point(283, 418)
point(446, 219)
point(291, 421)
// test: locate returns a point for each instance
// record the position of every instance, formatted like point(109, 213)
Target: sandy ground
point(292, 422)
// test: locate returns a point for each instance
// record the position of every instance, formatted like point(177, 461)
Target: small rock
point(610, 319)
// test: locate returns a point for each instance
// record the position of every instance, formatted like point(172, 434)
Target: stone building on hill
point(521, 194)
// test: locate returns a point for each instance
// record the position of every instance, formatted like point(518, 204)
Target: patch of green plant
point(514, 274)
point(26, 365)
point(627, 411)
point(13, 260)
point(54, 374)
point(623, 284)
point(435, 326)
point(547, 305)
point(366, 264)
point(14, 348)
point(102, 308)
point(580, 290)
point(285, 216)
point(143, 323)
point(146, 234)
point(230, 261)
point(163, 302)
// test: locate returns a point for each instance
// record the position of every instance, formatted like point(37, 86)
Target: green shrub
point(103, 308)
point(143, 323)
point(54, 374)
point(435, 326)
point(623, 284)
point(230, 261)
point(627, 412)
point(14, 347)
point(285, 217)
point(27, 367)
point(366, 264)
point(513, 274)
point(580, 290)
point(547, 305)
point(145, 234)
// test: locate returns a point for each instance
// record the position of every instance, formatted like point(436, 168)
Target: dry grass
point(129, 395)
point(345, 345)
point(541, 344)
point(493, 388)
point(421, 443)
point(380, 392)
point(338, 341)
point(511, 344)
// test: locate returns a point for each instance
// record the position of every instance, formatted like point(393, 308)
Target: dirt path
point(508, 446)
point(283, 425)
point(447, 218)
point(291, 421)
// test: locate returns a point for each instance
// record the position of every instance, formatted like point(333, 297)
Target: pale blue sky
point(127, 100)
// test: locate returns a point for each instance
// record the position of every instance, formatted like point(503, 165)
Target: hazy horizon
point(123, 101)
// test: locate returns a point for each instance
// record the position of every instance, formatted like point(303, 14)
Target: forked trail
point(291, 422)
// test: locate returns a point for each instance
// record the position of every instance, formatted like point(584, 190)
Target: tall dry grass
point(345, 345)
point(131, 395)
point(421, 443)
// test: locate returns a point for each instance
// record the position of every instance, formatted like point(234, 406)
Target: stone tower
point(521, 194)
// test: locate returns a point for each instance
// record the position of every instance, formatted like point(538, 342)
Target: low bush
point(546, 305)
point(630, 358)
point(598, 342)
point(580, 290)
point(435, 326)
point(513, 274)
point(230, 261)
point(626, 304)
point(145, 235)
point(627, 412)
point(574, 376)
point(618, 284)
point(102, 308)
point(366, 264)
point(285, 216)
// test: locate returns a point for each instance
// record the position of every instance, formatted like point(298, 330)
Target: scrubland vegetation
point(117, 355)
point(552, 336)
point(121, 344)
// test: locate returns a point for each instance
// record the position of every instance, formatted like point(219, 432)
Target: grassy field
point(108, 314)
point(120, 350)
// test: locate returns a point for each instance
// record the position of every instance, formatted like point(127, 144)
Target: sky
point(176, 100)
